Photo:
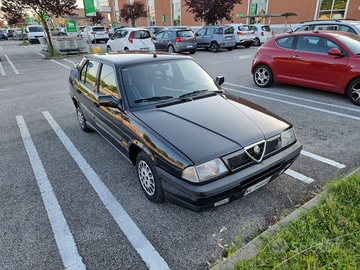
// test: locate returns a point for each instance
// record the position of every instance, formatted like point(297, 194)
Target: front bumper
point(232, 186)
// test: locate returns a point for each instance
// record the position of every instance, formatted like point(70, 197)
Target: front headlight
point(205, 171)
point(288, 137)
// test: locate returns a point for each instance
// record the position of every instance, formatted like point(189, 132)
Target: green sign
point(71, 26)
point(113, 25)
point(253, 9)
point(28, 20)
point(163, 17)
point(239, 15)
point(89, 7)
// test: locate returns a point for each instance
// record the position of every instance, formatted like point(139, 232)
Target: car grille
point(247, 156)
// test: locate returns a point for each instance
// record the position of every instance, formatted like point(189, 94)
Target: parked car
point(58, 31)
point(155, 29)
point(10, 33)
point(174, 40)
point(3, 34)
point(191, 143)
point(262, 33)
point(19, 35)
point(96, 33)
point(133, 39)
point(33, 33)
point(216, 37)
point(112, 30)
point(180, 27)
point(244, 35)
point(326, 60)
point(351, 26)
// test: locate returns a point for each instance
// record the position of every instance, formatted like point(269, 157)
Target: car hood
point(212, 127)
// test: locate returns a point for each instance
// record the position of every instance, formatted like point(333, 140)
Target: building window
point(103, 3)
point(332, 9)
point(151, 12)
point(176, 13)
point(258, 7)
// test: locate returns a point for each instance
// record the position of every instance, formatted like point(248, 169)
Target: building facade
point(174, 12)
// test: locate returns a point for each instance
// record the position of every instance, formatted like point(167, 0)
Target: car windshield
point(165, 80)
point(352, 42)
point(35, 29)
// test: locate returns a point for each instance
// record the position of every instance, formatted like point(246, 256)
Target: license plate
point(189, 46)
point(257, 186)
point(144, 49)
point(228, 38)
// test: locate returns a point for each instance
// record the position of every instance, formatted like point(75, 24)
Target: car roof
point(124, 58)
point(317, 33)
point(348, 21)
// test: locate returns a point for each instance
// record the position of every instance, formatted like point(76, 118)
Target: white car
point(96, 33)
point(243, 34)
point(262, 33)
point(34, 32)
point(133, 39)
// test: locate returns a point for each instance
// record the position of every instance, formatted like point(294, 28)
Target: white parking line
point(63, 236)
point(40, 54)
point(299, 176)
point(322, 159)
point(60, 64)
point(292, 97)
point(144, 248)
point(2, 70)
point(12, 65)
point(296, 104)
point(4, 90)
point(1, 48)
point(69, 61)
point(241, 57)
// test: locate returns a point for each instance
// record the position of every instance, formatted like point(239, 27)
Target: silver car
point(216, 37)
point(175, 40)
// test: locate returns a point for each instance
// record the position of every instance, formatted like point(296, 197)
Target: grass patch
point(325, 237)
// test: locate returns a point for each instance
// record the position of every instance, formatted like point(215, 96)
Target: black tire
point(247, 45)
point(192, 52)
point(93, 41)
point(214, 47)
point(353, 92)
point(148, 178)
point(230, 49)
point(263, 76)
point(108, 49)
point(256, 42)
point(126, 49)
point(170, 49)
point(82, 120)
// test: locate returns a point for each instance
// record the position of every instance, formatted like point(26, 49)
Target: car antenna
point(154, 54)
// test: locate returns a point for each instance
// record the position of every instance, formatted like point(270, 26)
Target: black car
point(191, 143)
point(3, 34)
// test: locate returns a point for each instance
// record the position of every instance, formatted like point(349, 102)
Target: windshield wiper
point(152, 99)
point(193, 93)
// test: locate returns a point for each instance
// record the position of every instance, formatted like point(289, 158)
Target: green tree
point(133, 11)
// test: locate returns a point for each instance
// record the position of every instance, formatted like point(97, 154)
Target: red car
point(326, 60)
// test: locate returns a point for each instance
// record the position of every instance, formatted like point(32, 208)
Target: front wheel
point(214, 47)
point(171, 49)
point(148, 178)
point(108, 49)
point(263, 76)
point(256, 42)
point(353, 92)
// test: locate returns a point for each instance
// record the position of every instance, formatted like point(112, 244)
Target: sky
point(80, 3)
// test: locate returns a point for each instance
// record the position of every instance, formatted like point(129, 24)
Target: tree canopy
point(97, 18)
point(133, 11)
point(211, 11)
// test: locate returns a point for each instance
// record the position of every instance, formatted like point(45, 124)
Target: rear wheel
point(256, 42)
point(81, 119)
point(171, 49)
point(126, 49)
point(192, 52)
point(353, 92)
point(214, 47)
point(230, 49)
point(263, 76)
point(247, 45)
point(148, 178)
point(108, 49)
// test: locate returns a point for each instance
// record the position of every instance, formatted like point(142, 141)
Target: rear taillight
point(221, 31)
point(262, 33)
point(93, 33)
point(178, 40)
point(272, 33)
point(106, 32)
point(131, 37)
point(253, 32)
point(195, 38)
point(239, 33)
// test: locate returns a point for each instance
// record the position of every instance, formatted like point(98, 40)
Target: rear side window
point(285, 42)
point(142, 34)
point(186, 33)
point(210, 31)
point(88, 74)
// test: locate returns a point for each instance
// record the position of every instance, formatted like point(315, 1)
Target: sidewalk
point(249, 250)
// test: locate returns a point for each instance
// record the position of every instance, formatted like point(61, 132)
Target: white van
point(33, 32)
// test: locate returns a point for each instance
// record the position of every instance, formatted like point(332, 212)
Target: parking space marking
point(4, 90)
point(40, 54)
point(241, 57)
point(2, 70)
point(299, 176)
point(1, 48)
point(322, 159)
point(69, 61)
point(292, 97)
point(61, 230)
point(12, 65)
point(144, 248)
point(296, 104)
point(60, 64)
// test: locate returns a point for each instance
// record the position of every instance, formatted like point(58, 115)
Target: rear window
point(244, 28)
point(185, 33)
point(229, 30)
point(142, 34)
point(98, 29)
point(265, 28)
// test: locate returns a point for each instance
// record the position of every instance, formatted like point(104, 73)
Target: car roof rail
point(333, 20)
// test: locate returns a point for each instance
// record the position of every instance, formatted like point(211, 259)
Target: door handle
point(295, 57)
point(77, 90)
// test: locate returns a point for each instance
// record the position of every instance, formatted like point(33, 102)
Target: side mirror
point(154, 38)
point(109, 101)
point(220, 80)
point(334, 51)
point(26, 31)
point(196, 34)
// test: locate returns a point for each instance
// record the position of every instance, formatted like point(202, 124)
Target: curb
point(250, 249)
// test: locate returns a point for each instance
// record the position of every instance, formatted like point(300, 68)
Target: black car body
point(175, 40)
point(195, 147)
